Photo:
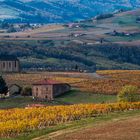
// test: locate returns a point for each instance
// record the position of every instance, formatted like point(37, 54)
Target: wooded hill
point(108, 43)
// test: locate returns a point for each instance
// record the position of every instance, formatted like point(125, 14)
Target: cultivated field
point(93, 30)
point(104, 82)
point(15, 122)
point(32, 77)
point(91, 100)
point(93, 95)
point(86, 87)
point(111, 83)
point(99, 42)
point(36, 33)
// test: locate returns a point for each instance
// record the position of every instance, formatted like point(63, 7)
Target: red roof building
point(49, 89)
point(47, 82)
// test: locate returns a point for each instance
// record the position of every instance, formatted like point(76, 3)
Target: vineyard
point(24, 79)
point(121, 74)
point(17, 121)
point(112, 82)
point(14, 122)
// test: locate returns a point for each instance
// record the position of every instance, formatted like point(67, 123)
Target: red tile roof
point(47, 82)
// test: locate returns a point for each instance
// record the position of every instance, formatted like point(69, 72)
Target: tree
point(11, 29)
point(76, 67)
point(128, 94)
point(27, 91)
point(4, 25)
point(3, 86)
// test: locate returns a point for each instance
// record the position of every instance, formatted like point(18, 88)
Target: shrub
point(104, 16)
point(27, 91)
point(128, 94)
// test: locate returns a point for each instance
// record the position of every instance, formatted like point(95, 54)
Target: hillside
point(104, 43)
point(59, 11)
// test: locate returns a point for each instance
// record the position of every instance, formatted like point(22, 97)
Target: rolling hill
point(59, 11)
point(106, 43)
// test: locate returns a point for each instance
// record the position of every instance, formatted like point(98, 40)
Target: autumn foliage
point(128, 94)
point(13, 122)
point(111, 81)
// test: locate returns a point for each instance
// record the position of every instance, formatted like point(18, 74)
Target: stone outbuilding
point(14, 89)
point(9, 63)
point(49, 89)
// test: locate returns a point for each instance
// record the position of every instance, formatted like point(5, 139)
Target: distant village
point(44, 90)
point(6, 27)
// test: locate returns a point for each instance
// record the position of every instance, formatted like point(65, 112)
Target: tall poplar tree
point(3, 86)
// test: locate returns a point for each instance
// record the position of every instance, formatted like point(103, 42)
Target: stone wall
point(60, 89)
point(42, 92)
point(48, 92)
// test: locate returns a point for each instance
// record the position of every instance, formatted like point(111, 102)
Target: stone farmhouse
point(9, 63)
point(48, 89)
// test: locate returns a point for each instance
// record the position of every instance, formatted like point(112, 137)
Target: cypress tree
point(3, 86)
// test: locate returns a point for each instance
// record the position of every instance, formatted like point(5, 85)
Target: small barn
point(49, 89)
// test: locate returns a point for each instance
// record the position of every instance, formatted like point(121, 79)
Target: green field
point(73, 97)
point(15, 102)
point(20, 102)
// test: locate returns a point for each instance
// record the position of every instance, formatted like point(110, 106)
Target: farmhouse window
point(3, 64)
point(36, 89)
point(9, 65)
point(46, 89)
point(15, 64)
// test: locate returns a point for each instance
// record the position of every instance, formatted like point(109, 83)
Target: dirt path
point(118, 129)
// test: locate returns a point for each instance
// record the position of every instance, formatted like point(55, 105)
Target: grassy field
point(15, 102)
point(60, 131)
point(21, 102)
point(73, 97)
